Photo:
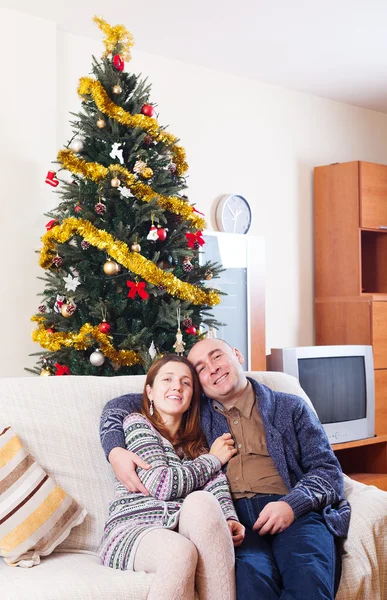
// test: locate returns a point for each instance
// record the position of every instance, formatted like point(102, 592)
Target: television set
point(339, 381)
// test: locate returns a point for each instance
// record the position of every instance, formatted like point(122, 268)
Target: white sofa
point(57, 419)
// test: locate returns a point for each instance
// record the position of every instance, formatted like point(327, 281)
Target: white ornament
point(97, 358)
point(152, 235)
point(76, 145)
point(71, 283)
point(152, 350)
point(116, 152)
point(60, 300)
point(125, 192)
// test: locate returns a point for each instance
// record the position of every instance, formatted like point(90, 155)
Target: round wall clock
point(233, 214)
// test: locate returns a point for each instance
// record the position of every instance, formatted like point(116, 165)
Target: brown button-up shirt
point(252, 470)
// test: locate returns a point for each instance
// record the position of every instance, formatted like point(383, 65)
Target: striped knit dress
point(169, 480)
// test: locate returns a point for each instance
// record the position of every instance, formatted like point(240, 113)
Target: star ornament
point(125, 192)
point(71, 283)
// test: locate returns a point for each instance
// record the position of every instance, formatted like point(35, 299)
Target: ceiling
point(336, 49)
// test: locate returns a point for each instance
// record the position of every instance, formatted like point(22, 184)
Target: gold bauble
point(209, 275)
point(117, 89)
point(101, 123)
point(115, 182)
point(111, 268)
point(64, 311)
point(135, 247)
point(45, 373)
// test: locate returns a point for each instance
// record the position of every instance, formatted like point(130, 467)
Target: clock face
point(233, 214)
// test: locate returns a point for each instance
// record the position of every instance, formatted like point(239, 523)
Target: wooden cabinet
point(365, 460)
point(350, 224)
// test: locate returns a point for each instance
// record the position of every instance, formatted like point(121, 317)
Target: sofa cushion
point(36, 515)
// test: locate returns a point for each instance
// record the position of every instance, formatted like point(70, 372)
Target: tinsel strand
point(97, 172)
point(114, 35)
point(86, 337)
point(88, 86)
point(120, 252)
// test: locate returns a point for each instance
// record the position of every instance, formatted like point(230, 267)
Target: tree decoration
point(147, 110)
point(195, 239)
point(100, 208)
point(42, 308)
point(111, 268)
point(71, 283)
point(153, 235)
point(114, 36)
point(152, 350)
point(68, 310)
point(118, 62)
point(179, 344)
point(51, 179)
point(50, 330)
point(51, 224)
point(57, 261)
point(104, 327)
point(137, 288)
point(172, 168)
point(135, 247)
point(60, 300)
point(162, 234)
point(187, 322)
point(61, 369)
point(78, 208)
point(116, 152)
point(117, 89)
point(187, 265)
point(139, 166)
point(115, 182)
point(76, 145)
point(101, 123)
point(45, 373)
point(85, 245)
point(191, 330)
point(125, 192)
point(97, 358)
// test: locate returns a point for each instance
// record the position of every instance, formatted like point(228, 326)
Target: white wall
point(240, 136)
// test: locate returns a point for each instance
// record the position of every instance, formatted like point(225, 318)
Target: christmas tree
point(123, 280)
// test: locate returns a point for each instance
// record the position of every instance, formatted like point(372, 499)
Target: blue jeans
point(300, 563)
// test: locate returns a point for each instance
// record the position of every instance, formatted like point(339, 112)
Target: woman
point(182, 535)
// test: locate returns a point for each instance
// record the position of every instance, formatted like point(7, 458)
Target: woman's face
point(172, 390)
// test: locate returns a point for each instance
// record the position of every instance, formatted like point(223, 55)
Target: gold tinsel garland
point(86, 337)
point(120, 252)
point(88, 86)
point(96, 172)
point(114, 35)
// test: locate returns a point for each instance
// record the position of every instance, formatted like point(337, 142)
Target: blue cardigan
point(295, 440)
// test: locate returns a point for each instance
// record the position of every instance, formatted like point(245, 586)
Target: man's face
point(219, 368)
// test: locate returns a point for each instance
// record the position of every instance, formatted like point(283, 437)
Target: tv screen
point(336, 387)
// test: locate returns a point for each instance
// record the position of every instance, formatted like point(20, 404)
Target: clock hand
point(235, 221)
point(229, 208)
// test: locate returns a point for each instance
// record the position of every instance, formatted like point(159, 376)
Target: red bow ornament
point(137, 288)
point(61, 369)
point(51, 224)
point(195, 239)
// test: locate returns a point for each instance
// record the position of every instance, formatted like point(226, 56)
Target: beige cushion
point(36, 515)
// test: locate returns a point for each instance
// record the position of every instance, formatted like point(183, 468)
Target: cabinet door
point(373, 196)
point(381, 401)
point(379, 334)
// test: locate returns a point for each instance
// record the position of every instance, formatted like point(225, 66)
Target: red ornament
point(148, 110)
point(137, 288)
point(162, 234)
point(50, 330)
point(118, 62)
point(51, 179)
point(78, 208)
point(105, 327)
point(51, 224)
point(191, 330)
point(57, 261)
point(61, 369)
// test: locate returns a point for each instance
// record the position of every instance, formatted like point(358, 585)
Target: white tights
point(200, 554)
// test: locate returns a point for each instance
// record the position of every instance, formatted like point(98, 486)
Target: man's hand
point(124, 465)
point(237, 531)
point(274, 518)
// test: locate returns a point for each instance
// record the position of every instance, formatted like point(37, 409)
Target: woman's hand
point(124, 465)
point(223, 448)
point(237, 531)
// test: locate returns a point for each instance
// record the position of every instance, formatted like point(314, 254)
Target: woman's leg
point(173, 559)
point(202, 521)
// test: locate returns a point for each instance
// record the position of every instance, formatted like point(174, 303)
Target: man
point(285, 480)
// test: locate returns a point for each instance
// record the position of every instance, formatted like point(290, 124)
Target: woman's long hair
point(190, 435)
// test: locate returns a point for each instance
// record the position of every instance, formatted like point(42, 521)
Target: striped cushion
point(35, 514)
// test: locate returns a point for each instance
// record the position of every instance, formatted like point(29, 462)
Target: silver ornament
point(76, 145)
point(97, 358)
